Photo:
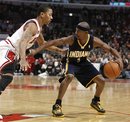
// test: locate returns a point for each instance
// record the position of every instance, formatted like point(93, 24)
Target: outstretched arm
point(51, 45)
point(41, 41)
point(107, 48)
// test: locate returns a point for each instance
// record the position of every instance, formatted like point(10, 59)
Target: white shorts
point(7, 54)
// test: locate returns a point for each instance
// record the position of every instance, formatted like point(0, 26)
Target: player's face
point(47, 17)
point(81, 34)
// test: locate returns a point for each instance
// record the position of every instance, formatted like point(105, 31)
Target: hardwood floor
point(30, 98)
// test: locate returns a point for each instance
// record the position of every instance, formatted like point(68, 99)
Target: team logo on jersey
point(78, 54)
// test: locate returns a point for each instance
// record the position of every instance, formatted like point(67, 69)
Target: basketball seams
point(112, 69)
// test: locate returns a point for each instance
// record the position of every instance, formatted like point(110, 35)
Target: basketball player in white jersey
point(15, 46)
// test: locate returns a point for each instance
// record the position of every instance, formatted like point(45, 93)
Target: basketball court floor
point(30, 98)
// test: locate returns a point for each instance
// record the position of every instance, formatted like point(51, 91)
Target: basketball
point(111, 70)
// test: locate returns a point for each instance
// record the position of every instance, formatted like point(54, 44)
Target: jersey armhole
point(31, 21)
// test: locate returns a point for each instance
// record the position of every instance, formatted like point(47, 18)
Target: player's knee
point(5, 81)
point(69, 78)
point(100, 81)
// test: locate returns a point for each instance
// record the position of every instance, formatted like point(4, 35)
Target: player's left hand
point(63, 51)
point(119, 61)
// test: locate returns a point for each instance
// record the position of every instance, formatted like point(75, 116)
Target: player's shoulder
point(31, 25)
point(31, 22)
point(74, 36)
point(91, 36)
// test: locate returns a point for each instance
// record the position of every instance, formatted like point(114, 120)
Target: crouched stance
point(77, 64)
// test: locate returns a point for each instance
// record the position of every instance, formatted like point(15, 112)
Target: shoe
point(57, 111)
point(97, 106)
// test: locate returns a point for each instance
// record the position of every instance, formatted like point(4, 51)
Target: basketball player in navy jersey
point(77, 64)
point(14, 47)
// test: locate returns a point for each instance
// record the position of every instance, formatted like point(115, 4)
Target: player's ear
point(42, 14)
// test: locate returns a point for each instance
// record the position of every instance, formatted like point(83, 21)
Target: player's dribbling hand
point(24, 65)
point(119, 61)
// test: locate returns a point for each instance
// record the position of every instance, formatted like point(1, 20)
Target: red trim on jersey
point(10, 56)
point(28, 23)
point(10, 43)
point(6, 41)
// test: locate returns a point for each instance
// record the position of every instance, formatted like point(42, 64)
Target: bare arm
point(30, 30)
point(56, 42)
point(107, 48)
point(56, 49)
point(41, 41)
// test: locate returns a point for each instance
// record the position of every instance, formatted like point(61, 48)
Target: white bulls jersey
point(9, 48)
point(15, 38)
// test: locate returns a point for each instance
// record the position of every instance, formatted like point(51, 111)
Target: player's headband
point(83, 28)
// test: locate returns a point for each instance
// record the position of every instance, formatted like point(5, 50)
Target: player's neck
point(84, 39)
point(40, 21)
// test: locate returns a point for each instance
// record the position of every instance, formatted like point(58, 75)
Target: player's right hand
point(119, 61)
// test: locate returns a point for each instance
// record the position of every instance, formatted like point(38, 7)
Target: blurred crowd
point(111, 25)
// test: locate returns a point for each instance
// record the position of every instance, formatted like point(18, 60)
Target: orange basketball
point(111, 70)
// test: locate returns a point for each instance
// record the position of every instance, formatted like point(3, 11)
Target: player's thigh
point(86, 75)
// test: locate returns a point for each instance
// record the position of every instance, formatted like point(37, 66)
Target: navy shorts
point(84, 72)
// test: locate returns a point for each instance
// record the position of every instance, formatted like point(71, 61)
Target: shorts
point(85, 72)
point(7, 58)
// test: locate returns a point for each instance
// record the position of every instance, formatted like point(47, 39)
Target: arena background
point(31, 95)
point(109, 20)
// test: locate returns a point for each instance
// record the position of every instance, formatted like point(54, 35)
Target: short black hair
point(43, 8)
point(84, 26)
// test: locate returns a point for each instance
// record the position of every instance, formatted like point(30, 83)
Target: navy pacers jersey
point(79, 53)
point(77, 62)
